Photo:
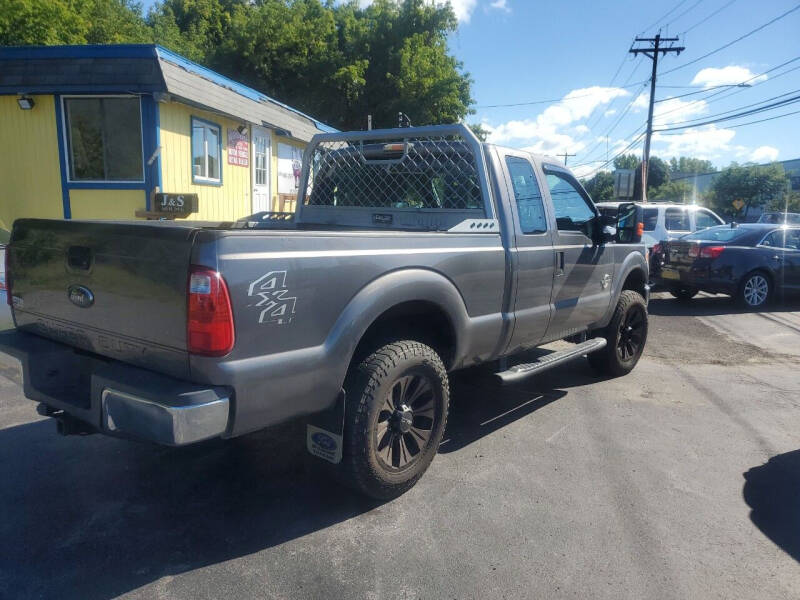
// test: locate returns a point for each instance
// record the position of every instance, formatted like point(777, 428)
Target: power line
point(668, 13)
point(729, 93)
point(615, 157)
point(616, 123)
point(693, 6)
point(719, 10)
point(792, 100)
point(732, 42)
point(715, 87)
point(737, 108)
point(743, 124)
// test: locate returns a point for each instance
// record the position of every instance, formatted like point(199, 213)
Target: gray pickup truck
point(413, 253)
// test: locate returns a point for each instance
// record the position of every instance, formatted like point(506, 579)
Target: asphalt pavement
point(681, 480)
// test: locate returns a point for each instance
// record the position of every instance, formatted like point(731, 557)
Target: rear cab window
point(527, 196)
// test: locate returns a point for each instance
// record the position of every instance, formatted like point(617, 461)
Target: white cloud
point(731, 75)
point(674, 110)
point(555, 128)
point(462, 8)
point(764, 154)
point(500, 5)
point(707, 143)
point(610, 112)
point(669, 110)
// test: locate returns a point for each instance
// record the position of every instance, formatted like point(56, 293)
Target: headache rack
point(419, 178)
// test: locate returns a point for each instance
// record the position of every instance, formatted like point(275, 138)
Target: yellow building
point(96, 132)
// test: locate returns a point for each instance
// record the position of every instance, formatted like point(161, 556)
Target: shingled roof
point(145, 69)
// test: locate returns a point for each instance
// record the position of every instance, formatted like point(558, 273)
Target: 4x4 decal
point(275, 303)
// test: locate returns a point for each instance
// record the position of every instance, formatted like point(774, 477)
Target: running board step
point(519, 372)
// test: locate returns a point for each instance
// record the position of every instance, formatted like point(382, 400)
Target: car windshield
point(723, 233)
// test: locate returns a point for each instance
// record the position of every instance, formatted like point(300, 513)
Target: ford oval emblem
point(324, 441)
point(80, 296)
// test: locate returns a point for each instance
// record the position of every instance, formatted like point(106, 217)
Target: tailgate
point(677, 253)
point(117, 289)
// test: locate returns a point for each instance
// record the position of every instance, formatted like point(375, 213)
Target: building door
point(261, 161)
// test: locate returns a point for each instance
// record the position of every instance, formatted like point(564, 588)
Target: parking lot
point(681, 480)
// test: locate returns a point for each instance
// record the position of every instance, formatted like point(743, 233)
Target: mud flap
point(324, 432)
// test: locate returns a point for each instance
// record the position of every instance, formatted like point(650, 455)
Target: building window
point(104, 139)
point(206, 151)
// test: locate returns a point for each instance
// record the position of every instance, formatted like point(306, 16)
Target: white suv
point(669, 221)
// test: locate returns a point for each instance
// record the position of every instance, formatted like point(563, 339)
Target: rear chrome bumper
point(175, 424)
point(116, 398)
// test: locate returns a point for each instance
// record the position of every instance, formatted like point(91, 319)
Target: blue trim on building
point(159, 179)
point(62, 158)
point(85, 51)
point(152, 174)
point(107, 185)
point(196, 181)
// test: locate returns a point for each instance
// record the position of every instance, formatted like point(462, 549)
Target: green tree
point(600, 187)
point(480, 131)
point(335, 60)
point(627, 161)
point(754, 185)
point(671, 191)
point(686, 165)
point(48, 22)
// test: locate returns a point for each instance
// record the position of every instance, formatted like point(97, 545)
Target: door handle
point(560, 267)
point(776, 257)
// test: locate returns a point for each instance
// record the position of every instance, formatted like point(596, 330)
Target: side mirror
point(608, 234)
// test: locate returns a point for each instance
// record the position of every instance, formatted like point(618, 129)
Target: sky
point(572, 57)
point(566, 65)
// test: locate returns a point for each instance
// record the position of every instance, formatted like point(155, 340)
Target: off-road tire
point(684, 294)
point(610, 360)
point(367, 388)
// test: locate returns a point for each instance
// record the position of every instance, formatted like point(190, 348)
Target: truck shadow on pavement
point(664, 305)
point(772, 491)
point(97, 517)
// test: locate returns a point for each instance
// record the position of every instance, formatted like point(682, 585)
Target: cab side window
point(571, 208)
point(677, 219)
point(527, 196)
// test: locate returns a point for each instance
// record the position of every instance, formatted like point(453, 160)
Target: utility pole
point(652, 52)
point(565, 155)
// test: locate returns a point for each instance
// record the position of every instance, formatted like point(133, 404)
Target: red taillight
point(209, 320)
point(711, 251)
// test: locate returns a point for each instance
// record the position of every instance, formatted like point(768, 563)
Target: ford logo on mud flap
point(80, 296)
point(324, 441)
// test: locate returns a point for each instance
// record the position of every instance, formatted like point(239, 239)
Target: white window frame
point(205, 125)
point(68, 147)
